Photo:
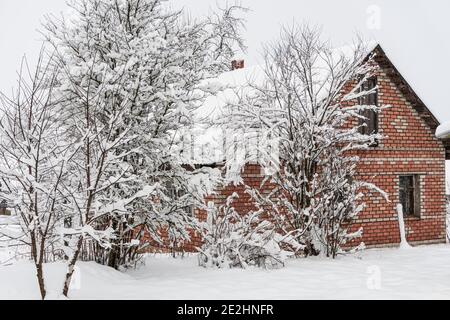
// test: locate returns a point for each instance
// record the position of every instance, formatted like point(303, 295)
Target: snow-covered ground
point(418, 273)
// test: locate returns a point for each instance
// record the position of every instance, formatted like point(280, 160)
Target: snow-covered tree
point(33, 161)
point(233, 240)
point(304, 104)
point(133, 72)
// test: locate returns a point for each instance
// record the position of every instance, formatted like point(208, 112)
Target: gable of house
point(410, 95)
point(409, 150)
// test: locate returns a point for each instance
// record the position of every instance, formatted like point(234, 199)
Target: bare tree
point(97, 169)
point(133, 72)
point(234, 240)
point(33, 160)
point(309, 103)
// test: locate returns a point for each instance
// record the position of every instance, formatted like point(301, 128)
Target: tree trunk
point(40, 278)
point(113, 257)
point(71, 267)
point(38, 265)
point(114, 254)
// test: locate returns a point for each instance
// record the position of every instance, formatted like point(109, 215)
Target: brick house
point(408, 164)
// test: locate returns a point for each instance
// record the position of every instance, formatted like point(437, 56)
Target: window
point(409, 194)
point(369, 125)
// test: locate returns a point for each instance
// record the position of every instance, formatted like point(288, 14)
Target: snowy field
point(418, 273)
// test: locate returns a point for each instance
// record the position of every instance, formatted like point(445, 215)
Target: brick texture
point(409, 147)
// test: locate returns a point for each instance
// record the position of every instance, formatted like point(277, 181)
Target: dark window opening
point(409, 194)
point(369, 125)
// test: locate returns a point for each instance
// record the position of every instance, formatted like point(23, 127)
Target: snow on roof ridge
point(443, 131)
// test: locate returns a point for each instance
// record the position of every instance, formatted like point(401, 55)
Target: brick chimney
point(237, 64)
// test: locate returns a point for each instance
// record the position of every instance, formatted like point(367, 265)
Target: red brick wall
point(409, 147)
point(251, 176)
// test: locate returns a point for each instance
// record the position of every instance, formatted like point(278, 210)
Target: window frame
point(416, 195)
point(371, 117)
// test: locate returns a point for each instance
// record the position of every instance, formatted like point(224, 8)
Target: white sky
point(415, 34)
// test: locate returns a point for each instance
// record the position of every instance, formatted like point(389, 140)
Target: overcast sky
point(415, 34)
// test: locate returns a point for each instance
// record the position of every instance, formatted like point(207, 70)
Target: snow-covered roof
point(239, 78)
point(231, 80)
point(209, 141)
point(206, 143)
point(443, 131)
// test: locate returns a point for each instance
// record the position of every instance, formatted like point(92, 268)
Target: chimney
point(237, 64)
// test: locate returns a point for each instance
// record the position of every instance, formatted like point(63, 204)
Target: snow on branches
point(90, 149)
point(34, 161)
point(233, 240)
point(302, 103)
point(133, 72)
